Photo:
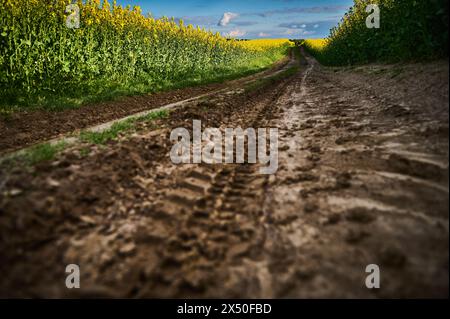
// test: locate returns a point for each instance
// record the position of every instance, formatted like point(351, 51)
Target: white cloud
point(235, 33)
point(308, 32)
point(316, 26)
point(298, 32)
point(303, 26)
point(292, 31)
point(226, 18)
point(263, 35)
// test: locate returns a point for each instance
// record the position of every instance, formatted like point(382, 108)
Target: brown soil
point(25, 128)
point(363, 179)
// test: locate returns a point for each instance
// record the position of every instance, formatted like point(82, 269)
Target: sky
point(252, 19)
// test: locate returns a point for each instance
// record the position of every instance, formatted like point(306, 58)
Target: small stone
point(87, 219)
point(272, 179)
point(13, 192)
point(53, 183)
point(77, 242)
point(127, 249)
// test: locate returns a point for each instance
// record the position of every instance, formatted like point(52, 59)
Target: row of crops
point(115, 49)
point(409, 30)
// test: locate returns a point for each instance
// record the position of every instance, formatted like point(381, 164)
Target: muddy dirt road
point(362, 179)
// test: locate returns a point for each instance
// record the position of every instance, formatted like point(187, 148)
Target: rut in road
point(363, 179)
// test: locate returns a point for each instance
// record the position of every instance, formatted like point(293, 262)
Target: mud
point(363, 179)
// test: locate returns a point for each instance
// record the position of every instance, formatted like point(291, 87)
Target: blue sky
point(253, 18)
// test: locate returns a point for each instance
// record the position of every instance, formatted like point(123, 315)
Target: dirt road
point(363, 179)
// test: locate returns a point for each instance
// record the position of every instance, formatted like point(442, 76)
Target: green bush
point(409, 30)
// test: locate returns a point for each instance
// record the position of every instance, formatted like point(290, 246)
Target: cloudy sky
point(253, 18)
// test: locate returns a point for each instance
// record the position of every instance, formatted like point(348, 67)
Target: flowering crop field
point(409, 30)
point(316, 47)
point(114, 51)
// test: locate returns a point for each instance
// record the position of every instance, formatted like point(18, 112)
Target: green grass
point(107, 135)
point(85, 151)
point(120, 127)
point(13, 99)
point(153, 116)
point(42, 152)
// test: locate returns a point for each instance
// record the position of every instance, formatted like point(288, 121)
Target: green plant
point(106, 135)
point(153, 116)
point(42, 152)
point(116, 51)
point(120, 127)
point(409, 30)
